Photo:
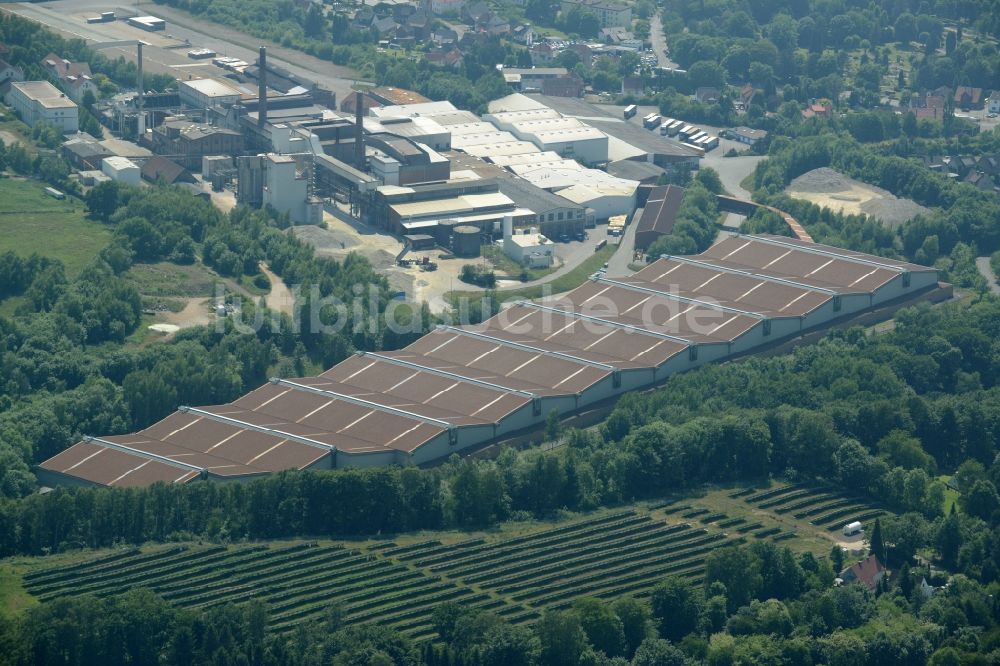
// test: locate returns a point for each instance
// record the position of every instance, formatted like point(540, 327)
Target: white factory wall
point(121, 170)
point(284, 192)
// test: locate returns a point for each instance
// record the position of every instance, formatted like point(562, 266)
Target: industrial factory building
point(458, 388)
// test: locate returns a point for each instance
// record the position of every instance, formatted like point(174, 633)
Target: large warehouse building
point(461, 387)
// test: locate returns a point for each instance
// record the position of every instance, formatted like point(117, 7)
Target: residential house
point(362, 20)
point(476, 13)
point(570, 85)
point(819, 109)
point(989, 164)
point(934, 162)
point(869, 572)
point(979, 180)
point(420, 24)
point(542, 54)
point(439, 7)
point(633, 85)
point(708, 95)
point(585, 53)
point(496, 25)
point(8, 74)
point(993, 102)
point(523, 33)
point(385, 27)
point(967, 97)
point(747, 93)
point(444, 59)
point(75, 77)
point(961, 165)
point(929, 104)
point(444, 36)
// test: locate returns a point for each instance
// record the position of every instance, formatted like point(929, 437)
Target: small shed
point(852, 529)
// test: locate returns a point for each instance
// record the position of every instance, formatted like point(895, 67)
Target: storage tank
point(465, 241)
point(508, 226)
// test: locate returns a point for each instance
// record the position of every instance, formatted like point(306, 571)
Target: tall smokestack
point(140, 128)
point(359, 130)
point(262, 87)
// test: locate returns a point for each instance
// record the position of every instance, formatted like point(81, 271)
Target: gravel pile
point(886, 207)
point(822, 181)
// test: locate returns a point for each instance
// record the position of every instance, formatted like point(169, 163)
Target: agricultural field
point(31, 221)
point(516, 576)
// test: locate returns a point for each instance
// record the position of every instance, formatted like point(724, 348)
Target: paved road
point(167, 52)
point(732, 170)
point(983, 264)
point(659, 42)
point(618, 264)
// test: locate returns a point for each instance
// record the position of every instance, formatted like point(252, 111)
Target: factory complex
point(459, 388)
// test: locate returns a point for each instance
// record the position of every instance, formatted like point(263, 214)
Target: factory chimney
point(359, 130)
point(262, 87)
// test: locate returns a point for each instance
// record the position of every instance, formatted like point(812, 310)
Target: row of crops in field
point(823, 507)
point(399, 586)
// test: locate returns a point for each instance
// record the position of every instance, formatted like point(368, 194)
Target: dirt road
point(280, 298)
point(983, 264)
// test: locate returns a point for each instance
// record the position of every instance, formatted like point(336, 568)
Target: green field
point(570, 280)
point(31, 221)
point(516, 575)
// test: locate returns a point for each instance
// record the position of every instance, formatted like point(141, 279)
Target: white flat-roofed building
point(411, 110)
point(36, 101)
point(477, 127)
point(584, 143)
point(525, 158)
point(505, 119)
point(417, 128)
point(121, 169)
point(205, 93)
point(500, 148)
point(534, 250)
point(462, 141)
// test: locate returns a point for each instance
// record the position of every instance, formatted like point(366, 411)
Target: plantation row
point(825, 508)
point(399, 586)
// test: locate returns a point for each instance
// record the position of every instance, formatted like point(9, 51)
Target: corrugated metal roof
point(477, 376)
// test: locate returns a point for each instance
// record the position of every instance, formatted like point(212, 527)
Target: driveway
point(732, 170)
point(619, 261)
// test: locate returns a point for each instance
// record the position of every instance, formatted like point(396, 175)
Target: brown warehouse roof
point(477, 376)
